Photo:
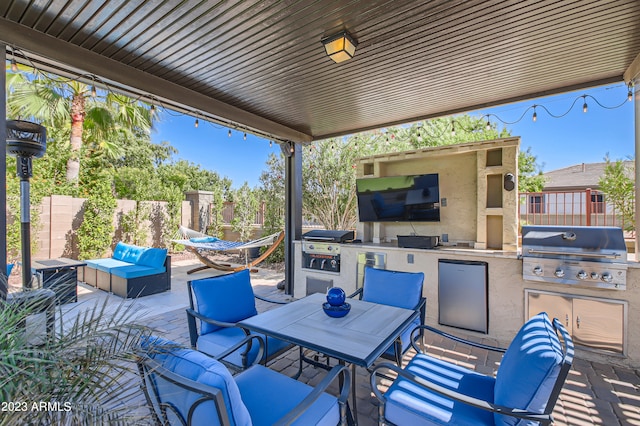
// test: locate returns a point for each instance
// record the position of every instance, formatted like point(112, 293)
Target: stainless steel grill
point(584, 256)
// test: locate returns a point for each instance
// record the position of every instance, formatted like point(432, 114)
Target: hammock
point(199, 243)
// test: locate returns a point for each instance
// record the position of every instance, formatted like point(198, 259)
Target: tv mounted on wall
point(399, 198)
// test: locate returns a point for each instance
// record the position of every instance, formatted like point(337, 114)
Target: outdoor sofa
point(132, 271)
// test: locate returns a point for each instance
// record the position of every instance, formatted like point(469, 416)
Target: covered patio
point(261, 67)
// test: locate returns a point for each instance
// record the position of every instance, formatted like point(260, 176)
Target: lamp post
point(25, 140)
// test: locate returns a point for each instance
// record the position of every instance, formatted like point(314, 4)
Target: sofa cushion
point(152, 257)
point(227, 298)
point(127, 252)
point(410, 404)
point(200, 368)
point(106, 265)
point(135, 271)
point(266, 407)
point(529, 369)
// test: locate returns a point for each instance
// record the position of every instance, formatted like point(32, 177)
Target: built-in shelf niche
point(494, 157)
point(494, 191)
point(494, 232)
point(368, 169)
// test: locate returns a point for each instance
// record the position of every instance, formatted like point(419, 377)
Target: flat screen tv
point(399, 198)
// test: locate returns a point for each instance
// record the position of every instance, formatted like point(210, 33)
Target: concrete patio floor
point(594, 394)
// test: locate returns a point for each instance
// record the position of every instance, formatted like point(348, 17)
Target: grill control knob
point(582, 275)
point(607, 277)
point(595, 275)
point(559, 273)
point(329, 248)
point(311, 247)
point(537, 271)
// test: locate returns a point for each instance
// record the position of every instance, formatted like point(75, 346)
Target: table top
point(358, 338)
point(61, 262)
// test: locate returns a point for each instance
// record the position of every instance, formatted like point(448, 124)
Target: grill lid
point(333, 236)
point(591, 243)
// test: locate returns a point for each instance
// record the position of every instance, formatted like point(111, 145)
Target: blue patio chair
point(395, 288)
point(218, 303)
point(429, 391)
point(185, 386)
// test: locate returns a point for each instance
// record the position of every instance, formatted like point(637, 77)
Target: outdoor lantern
point(340, 47)
point(25, 140)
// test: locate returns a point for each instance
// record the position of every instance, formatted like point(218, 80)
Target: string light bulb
point(629, 93)
point(229, 134)
point(488, 127)
point(196, 124)
point(245, 137)
point(585, 108)
point(14, 65)
point(94, 93)
point(453, 128)
point(152, 111)
point(270, 144)
point(535, 115)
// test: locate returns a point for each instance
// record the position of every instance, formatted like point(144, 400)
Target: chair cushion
point(529, 369)
point(227, 298)
point(135, 271)
point(152, 257)
point(394, 288)
point(219, 341)
point(284, 393)
point(409, 404)
point(203, 369)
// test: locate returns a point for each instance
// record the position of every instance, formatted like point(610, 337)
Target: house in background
point(571, 196)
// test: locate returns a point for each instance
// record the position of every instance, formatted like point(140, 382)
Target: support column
point(293, 208)
point(636, 109)
point(3, 176)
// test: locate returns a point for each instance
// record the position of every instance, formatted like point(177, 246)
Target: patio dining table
point(359, 338)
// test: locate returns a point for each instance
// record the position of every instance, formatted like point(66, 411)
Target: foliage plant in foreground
point(83, 375)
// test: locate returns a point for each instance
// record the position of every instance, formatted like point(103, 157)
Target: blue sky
point(556, 142)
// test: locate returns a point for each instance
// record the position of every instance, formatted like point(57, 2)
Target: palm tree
point(100, 122)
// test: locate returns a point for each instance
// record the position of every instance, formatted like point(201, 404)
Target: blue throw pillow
point(204, 240)
point(227, 298)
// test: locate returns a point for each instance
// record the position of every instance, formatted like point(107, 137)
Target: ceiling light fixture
point(340, 47)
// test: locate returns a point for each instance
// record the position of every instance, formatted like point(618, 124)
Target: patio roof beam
point(60, 54)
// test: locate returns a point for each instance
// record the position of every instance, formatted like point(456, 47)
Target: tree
point(530, 177)
point(244, 212)
point(272, 195)
point(617, 183)
point(61, 102)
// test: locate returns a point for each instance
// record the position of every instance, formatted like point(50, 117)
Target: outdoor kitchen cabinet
point(593, 323)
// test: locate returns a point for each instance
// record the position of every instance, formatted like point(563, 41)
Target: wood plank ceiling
point(260, 63)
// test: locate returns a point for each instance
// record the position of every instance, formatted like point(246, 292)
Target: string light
point(14, 65)
point(535, 115)
point(94, 93)
point(152, 111)
point(270, 144)
point(229, 134)
point(453, 128)
point(488, 127)
point(585, 108)
point(629, 93)
point(196, 124)
point(245, 137)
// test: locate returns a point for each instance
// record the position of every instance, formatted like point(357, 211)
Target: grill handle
point(564, 253)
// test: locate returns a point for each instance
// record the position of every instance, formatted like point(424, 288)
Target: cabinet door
point(598, 324)
point(556, 306)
